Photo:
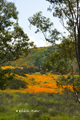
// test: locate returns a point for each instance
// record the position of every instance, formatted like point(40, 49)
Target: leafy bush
point(17, 84)
point(24, 71)
point(2, 108)
point(3, 79)
point(72, 83)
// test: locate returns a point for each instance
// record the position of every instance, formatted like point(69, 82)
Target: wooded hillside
point(35, 57)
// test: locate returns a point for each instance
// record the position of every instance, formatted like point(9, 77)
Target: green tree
point(68, 11)
point(13, 41)
point(62, 59)
point(65, 51)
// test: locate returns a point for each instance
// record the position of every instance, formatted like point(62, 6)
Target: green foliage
point(74, 82)
point(41, 22)
point(3, 79)
point(7, 11)
point(3, 109)
point(24, 71)
point(67, 47)
point(68, 13)
point(61, 60)
point(17, 84)
point(13, 40)
point(8, 81)
point(35, 58)
point(65, 11)
point(39, 55)
point(49, 106)
point(44, 25)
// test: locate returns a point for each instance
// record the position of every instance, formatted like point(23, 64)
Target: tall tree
point(62, 58)
point(13, 41)
point(66, 48)
point(68, 12)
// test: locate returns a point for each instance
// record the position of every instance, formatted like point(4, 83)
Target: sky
point(28, 8)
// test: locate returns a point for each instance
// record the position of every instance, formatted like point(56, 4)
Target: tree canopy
point(68, 12)
point(13, 41)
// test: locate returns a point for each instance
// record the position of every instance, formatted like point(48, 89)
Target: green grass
point(38, 106)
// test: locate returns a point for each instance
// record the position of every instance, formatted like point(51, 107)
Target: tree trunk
point(79, 46)
point(77, 97)
point(76, 48)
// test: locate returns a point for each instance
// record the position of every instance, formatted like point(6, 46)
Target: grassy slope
point(38, 106)
point(35, 58)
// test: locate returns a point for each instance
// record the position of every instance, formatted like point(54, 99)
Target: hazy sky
point(27, 8)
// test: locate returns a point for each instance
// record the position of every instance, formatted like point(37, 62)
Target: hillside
point(35, 57)
point(33, 61)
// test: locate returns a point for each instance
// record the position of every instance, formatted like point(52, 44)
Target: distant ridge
point(35, 57)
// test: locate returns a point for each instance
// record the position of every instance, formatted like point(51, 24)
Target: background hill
point(33, 61)
point(35, 57)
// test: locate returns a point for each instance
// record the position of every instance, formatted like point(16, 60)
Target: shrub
point(17, 84)
point(2, 108)
point(3, 79)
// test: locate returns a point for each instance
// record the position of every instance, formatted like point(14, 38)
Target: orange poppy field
point(39, 83)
